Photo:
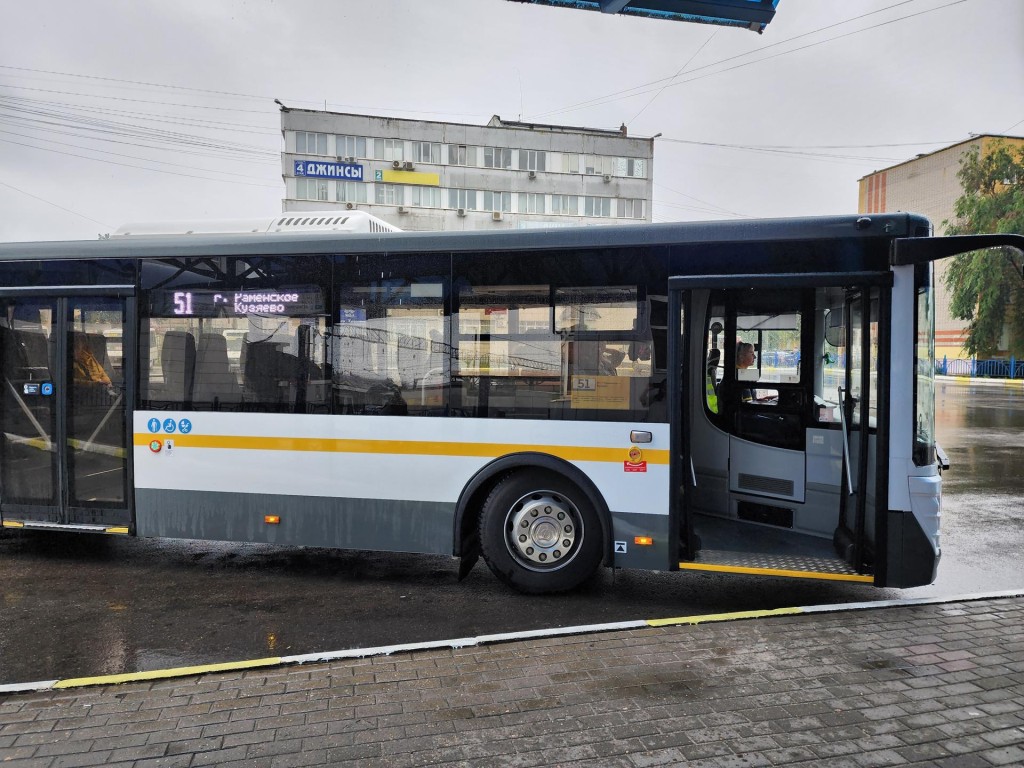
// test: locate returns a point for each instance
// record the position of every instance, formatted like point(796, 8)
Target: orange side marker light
point(271, 519)
point(643, 541)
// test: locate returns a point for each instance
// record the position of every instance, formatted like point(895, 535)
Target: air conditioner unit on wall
point(461, 212)
point(396, 164)
point(533, 174)
point(402, 209)
point(496, 216)
point(407, 165)
point(350, 206)
point(347, 159)
point(607, 178)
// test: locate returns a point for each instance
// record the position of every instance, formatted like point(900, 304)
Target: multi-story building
point(929, 185)
point(424, 175)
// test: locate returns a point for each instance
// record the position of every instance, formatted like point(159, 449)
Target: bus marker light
point(272, 519)
point(643, 541)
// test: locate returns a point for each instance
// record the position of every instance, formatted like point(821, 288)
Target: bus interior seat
point(262, 370)
point(98, 346)
point(214, 380)
point(178, 360)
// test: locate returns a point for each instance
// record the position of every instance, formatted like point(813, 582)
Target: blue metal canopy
point(748, 14)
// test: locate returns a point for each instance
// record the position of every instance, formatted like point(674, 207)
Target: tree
point(986, 287)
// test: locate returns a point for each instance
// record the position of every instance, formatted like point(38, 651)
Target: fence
point(981, 369)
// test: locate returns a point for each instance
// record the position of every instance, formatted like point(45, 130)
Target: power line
point(43, 200)
point(613, 96)
point(139, 167)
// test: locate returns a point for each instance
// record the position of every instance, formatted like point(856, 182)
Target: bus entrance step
point(42, 525)
point(766, 564)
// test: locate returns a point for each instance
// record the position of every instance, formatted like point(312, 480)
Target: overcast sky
point(122, 110)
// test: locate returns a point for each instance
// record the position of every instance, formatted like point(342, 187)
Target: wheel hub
point(543, 530)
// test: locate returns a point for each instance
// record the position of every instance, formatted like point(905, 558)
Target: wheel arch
point(467, 511)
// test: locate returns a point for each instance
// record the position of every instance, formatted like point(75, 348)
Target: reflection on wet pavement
point(80, 605)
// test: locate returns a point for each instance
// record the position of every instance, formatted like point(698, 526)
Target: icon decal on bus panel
point(153, 425)
point(47, 388)
point(620, 547)
point(170, 425)
point(184, 426)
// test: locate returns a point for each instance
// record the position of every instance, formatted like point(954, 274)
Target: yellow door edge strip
point(161, 674)
point(13, 524)
point(821, 575)
point(711, 617)
point(117, 529)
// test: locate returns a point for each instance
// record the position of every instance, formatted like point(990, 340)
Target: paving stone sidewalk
point(933, 684)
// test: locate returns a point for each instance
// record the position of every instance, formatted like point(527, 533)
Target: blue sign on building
point(318, 170)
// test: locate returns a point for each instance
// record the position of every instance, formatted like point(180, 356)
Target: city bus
point(551, 400)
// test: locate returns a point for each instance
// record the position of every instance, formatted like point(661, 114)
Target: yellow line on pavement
point(160, 674)
point(709, 617)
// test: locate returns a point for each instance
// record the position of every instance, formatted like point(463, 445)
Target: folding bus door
point(64, 442)
point(762, 436)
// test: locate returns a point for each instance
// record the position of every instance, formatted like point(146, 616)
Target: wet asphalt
point(75, 606)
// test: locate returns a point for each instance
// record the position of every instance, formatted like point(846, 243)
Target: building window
point(531, 159)
point(597, 206)
point(389, 194)
point(462, 198)
point(310, 143)
point(636, 167)
point(565, 205)
point(389, 149)
point(632, 208)
point(497, 201)
point(426, 152)
point(311, 189)
point(596, 164)
point(461, 154)
point(530, 202)
point(570, 163)
point(497, 157)
point(426, 197)
point(351, 192)
point(351, 146)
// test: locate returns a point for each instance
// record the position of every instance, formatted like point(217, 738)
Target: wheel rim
point(543, 531)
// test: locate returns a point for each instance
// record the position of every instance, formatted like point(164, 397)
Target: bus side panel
point(388, 483)
point(385, 525)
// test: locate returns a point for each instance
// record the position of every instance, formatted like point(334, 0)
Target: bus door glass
point(63, 457)
point(859, 413)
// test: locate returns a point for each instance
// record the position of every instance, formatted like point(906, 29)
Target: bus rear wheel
point(539, 533)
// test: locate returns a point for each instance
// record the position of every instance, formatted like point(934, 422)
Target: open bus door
point(778, 467)
point(66, 372)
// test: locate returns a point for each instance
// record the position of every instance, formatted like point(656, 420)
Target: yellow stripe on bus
point(397, 447)
point(160, 674)
point(867, 579)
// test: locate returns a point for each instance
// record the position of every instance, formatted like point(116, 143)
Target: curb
point(969, 381)
point(506, 637)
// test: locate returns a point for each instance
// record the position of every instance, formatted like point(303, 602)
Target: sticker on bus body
point(639, 466)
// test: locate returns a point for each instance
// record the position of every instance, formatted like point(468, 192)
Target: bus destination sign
point(299, 301)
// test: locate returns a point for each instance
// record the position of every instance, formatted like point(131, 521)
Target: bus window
point(218, 342)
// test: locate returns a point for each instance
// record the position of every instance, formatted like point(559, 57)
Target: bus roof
point(636, 235)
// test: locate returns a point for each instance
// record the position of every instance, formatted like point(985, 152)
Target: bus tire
point(539, 533)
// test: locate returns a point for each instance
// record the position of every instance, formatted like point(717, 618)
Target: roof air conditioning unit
point(496, 216)
point(607, 178)
point(407, 165)
point(461, 212)
point(350, 206)
point(402, 209)
point(533, 174)
point(397, 164)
